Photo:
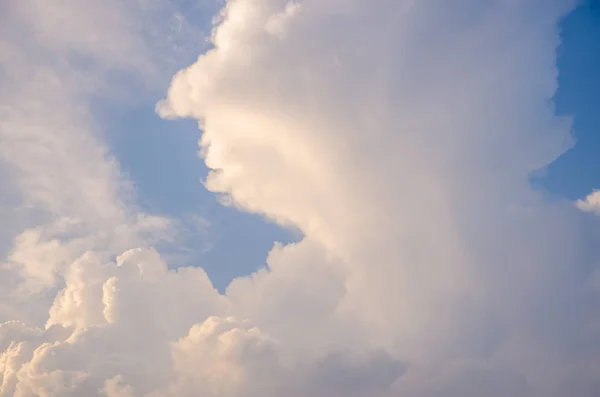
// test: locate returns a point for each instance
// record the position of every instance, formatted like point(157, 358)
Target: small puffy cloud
point(591, 203)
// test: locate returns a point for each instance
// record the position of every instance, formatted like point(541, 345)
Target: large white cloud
point(399, 137)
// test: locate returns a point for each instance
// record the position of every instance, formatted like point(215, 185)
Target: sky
point(572, 175)
point(312, 198)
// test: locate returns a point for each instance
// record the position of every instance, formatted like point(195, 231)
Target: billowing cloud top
point(399, 137)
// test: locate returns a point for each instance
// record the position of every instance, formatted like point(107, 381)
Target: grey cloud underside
point(399, 138)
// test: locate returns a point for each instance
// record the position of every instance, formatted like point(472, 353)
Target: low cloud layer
point(399, 137)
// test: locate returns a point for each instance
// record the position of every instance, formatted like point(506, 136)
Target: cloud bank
point(399, 137)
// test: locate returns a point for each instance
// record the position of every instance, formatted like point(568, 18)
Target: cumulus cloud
point(399, 137)
point(591, 203)
point(123, 314)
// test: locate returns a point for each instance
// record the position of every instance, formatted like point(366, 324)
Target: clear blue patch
point(577, 173)
point(161, 158)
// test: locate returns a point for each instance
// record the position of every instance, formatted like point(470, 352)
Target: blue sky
point(577, 172)
point(161, 159)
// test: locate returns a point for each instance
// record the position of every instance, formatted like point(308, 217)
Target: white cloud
point(63, 192)
point(134, 327)
point(122, 314)
point(399, 137)
point(591, 203)
point(276, 24)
